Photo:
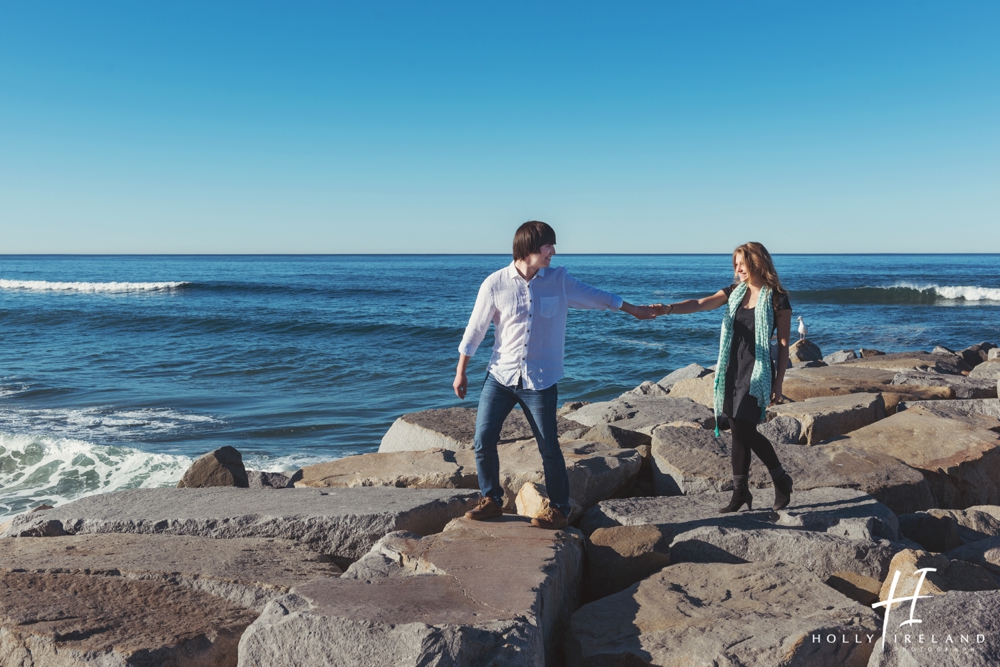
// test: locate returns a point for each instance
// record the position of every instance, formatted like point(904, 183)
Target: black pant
point(747, 438)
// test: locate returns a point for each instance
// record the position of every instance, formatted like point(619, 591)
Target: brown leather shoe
point(550, 519)
point(487, 508)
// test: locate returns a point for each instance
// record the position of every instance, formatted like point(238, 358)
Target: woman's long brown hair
point(759, 263)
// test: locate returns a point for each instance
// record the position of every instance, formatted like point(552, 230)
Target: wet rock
point(705, 614)
point(455, 429)
point(803, 351)
point(840, 356)
point(642, 414)
point(343, 523)
point(691, 461)
point(620, 556)
point(960, 461)
point(824, 417)
point(223, 467)
point(964, 387)
point(492, 593)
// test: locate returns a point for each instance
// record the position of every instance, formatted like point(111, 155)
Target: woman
point(746, 381)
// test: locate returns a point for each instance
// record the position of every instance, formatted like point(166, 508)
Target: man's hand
point(461, 384)
point(639, 312)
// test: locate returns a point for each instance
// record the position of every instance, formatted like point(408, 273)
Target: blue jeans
point(495, 403)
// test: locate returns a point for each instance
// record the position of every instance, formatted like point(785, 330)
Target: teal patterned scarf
point(760, 380)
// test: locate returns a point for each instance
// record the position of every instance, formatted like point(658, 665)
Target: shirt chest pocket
point(549, 306)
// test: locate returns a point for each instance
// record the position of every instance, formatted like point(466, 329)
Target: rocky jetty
point(368, 560)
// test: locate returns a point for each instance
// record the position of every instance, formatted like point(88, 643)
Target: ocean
point(117, 371)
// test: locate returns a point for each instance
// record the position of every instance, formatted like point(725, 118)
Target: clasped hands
point(645, 312)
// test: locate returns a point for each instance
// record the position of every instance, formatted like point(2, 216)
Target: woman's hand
point(776, 397)
point(661, 309)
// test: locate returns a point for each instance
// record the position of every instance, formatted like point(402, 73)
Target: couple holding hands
point(527, 303)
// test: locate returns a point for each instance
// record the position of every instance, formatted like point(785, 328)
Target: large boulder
point(989, 370)
point(782, 430)
point(700, 390)
point(689, 372)
point(901, 362)
point(424, 469)
point(957, 629)
point(984, 407)
point(715, 614)
point(804, 351)
point(964, 387)
point(223, 467)
point(824, 417)
point(993, 354)
point(961, 461)
point(455, 429)
point(248, 572)
point(342, 523)
point(643, 414)
point(619, 556)
point(845, 378)
point(619, 437)
point(976, 354)
point(484, 593)
point(947, 575)
point(69, 620)
point(533, 501)
point(690, 461)
point(840, 356)
point(985, 553)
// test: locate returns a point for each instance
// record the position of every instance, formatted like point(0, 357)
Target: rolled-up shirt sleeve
point(479, 322)
point(581, 295)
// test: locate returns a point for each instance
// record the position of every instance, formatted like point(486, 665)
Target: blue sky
point(160, 127)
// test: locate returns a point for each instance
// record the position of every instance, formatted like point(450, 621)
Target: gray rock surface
point(259, 479)
point(993, 354)
point(620, 556)
point(619, 437)
point(956, 620)
point(222, 467)
point(840, 356)
point(424, 469)
point(985, 407)
point(964, 387)
point(933, 533)
point(342, 523)
point(691, 461)
point(455, 429)
point(976, 523)
point(698, 614)
point(782, 430)
point(985, 553)
point(642, 414)
point(700, 390)
point(847, 378)
point(647, 388)
point(246, 571)
point(688, 372)
point(493, 593)
point(901, 362)
point(824, 417)
point(976, 354)
point(989, 370)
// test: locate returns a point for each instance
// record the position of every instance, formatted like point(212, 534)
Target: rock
point(993, 354)
point(691, 371)
point(223, 467)
point(343, 523)
point(642, 414)
point(248, 572)
point(984, 553)
point(840, 356)
point(824, 417)
point(964, 628)
point(855, 586)
point(700, 390)
point(985, 407)
point(691, 461)
point(988, 370)
point(619, 437)
point(258, 479)
point(454, 429)
point(867, 353)
point(782, 430)
point(483, 593)
point(647, 388)
point(802, 351)
point(63, 620)
point(964, 387)
point(902, 362)
point(699, 614)
point(948, 575)
point(533, 500)
point(846, 378)
point(976, 523)
point(426, 469)
point(620, 556)
point(933, 533)
point(941, 349)
point(976, 354)
point(571, 406)
point(960, 461)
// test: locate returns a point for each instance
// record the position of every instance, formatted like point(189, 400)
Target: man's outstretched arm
point(581, 295)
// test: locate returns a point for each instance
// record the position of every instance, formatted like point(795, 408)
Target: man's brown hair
point(530, 237)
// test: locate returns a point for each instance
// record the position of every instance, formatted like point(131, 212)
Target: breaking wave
point(89, 287)
point(904, 294)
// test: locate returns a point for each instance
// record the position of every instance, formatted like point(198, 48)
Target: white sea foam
point(53, 470)
point(956, 292)
point(110, 287)
point(292, 462)
point(101, 422)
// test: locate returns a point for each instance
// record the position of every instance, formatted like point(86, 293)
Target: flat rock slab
point(847, 378)
point(63, 620)
point(981, 407)
point(959, 629)
point(342, 523)
point(987, 371)
point(643, 413)
point(455, 429)
point(492, 593)
point(425, 469)
point(691, 461)
point(900, 362)
point(698, 614)
point(960, 461)
point(824, 417)
point(964, 387)
point(246, 571)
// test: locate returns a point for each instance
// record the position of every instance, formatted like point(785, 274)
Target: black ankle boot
point(741, 494)
point(782, 491)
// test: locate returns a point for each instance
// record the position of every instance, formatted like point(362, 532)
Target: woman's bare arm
point(692, 305)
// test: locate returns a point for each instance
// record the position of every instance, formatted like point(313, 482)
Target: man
point(527, 303)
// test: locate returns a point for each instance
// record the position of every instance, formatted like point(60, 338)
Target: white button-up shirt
point(530, 321)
